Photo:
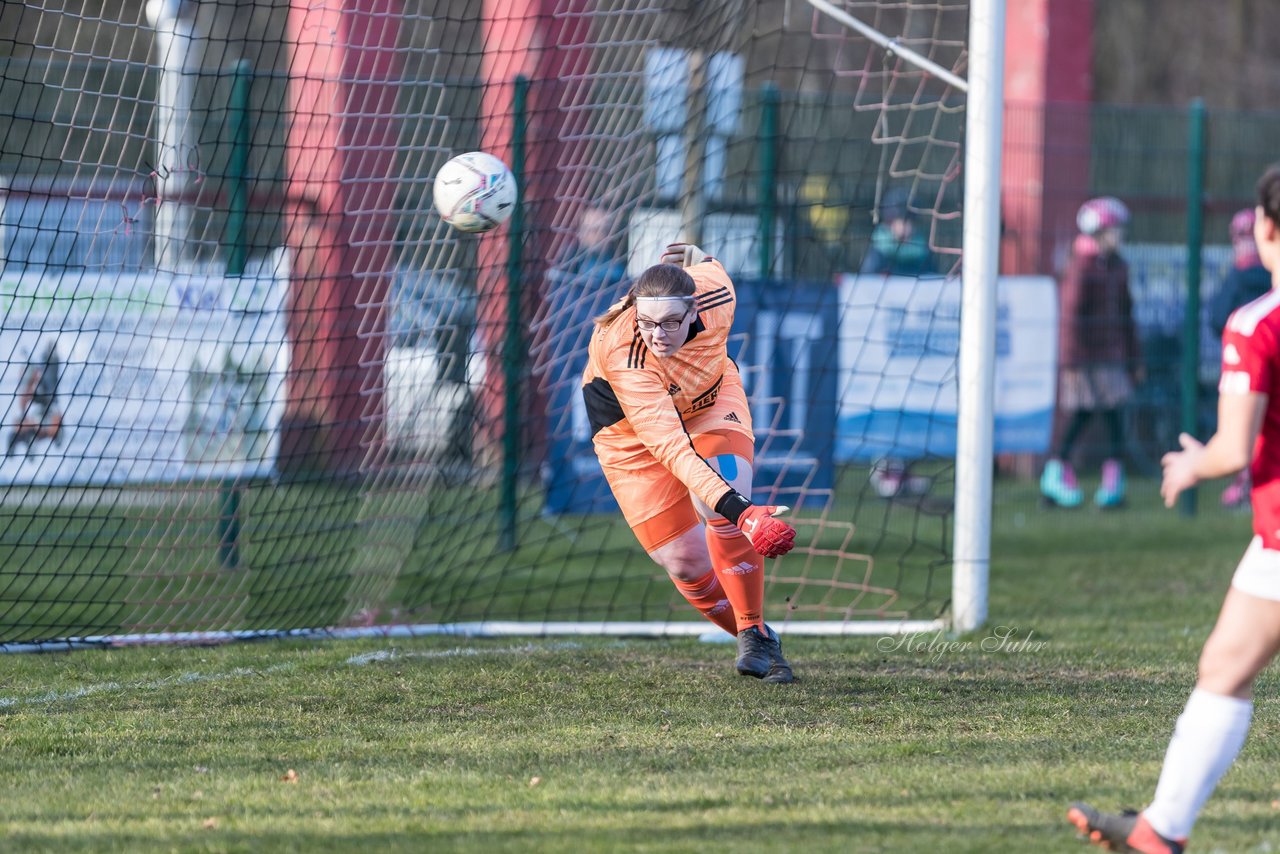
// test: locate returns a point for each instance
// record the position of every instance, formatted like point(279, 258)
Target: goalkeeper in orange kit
point(672, 430)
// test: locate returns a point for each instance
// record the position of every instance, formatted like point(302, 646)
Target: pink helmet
point(1242, 224)
point(1100, 213)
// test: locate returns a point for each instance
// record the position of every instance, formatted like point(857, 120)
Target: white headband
point(673, 296)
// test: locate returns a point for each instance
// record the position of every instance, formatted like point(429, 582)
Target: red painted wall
point(1048, 89)
point(340, 227)
point(548, 42)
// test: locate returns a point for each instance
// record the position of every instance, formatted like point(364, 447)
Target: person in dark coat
point(1099, 354)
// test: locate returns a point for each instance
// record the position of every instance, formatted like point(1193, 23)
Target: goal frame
point(971, 557)
point(966, 606)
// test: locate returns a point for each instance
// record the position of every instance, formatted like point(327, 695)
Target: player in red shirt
point(1245, 282)
point(1213, 726)
point(672, 430)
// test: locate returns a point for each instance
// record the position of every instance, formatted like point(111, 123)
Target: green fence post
point(229, 525)
point(768, 175)
point(1191, 315)
point(512, 357)
point(236, 242)
point(236, 246)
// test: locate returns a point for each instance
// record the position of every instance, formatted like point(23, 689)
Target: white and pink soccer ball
point(475, 192)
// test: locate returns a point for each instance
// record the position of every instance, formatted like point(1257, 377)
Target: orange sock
point(708, 596)
point(741, 572)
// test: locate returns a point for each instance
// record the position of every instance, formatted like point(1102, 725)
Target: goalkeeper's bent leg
point(709, 598)
point(690, 569)
point(739, 566)
point(741, 572)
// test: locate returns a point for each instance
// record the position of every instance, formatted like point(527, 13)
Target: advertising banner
point(126, 378)
point(899, 354)
point(783, 344)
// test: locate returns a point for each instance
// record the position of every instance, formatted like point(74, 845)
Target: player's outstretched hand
point(769, 536)
point(683, 255)
point(1180, 469)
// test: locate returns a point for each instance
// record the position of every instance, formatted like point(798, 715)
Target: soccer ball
point(475, 192)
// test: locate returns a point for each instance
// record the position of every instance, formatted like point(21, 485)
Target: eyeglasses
point(667, 325)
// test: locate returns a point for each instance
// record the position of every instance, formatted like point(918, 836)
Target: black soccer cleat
point(755, 653)
point(1128, 831)
point(779, 670)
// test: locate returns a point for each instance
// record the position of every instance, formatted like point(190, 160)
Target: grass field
point(899, 744)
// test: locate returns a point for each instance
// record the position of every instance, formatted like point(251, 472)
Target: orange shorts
point(654, 502)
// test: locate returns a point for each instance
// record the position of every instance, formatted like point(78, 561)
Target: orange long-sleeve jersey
point(638, 403)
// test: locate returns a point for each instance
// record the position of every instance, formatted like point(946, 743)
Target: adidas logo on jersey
point(733, 416)
point(673, 389)
point(744, 568)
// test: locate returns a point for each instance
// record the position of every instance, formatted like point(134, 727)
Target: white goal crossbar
point(892, 45)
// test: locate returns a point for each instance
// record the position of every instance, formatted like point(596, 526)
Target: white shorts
point(1259, 572)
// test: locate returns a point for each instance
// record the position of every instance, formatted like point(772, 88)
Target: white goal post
point(984, 121)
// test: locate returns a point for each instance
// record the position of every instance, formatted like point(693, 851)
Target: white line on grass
point(192, 678)
point(149, 685)
point(390, 654)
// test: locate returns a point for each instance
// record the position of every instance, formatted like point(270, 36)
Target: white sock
point(1209, 733)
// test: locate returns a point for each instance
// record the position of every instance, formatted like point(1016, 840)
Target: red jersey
point(1251, 363)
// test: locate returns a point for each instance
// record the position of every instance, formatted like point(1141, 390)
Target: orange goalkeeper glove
point(683, 255)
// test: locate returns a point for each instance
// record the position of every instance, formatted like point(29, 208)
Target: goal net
point(251, 383)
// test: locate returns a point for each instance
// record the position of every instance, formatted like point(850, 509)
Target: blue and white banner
point(899, 354)
point(154, 377)
point(1158, 284)
point(782, 343)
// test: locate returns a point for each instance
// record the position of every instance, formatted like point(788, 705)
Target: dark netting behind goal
point(251, 382)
